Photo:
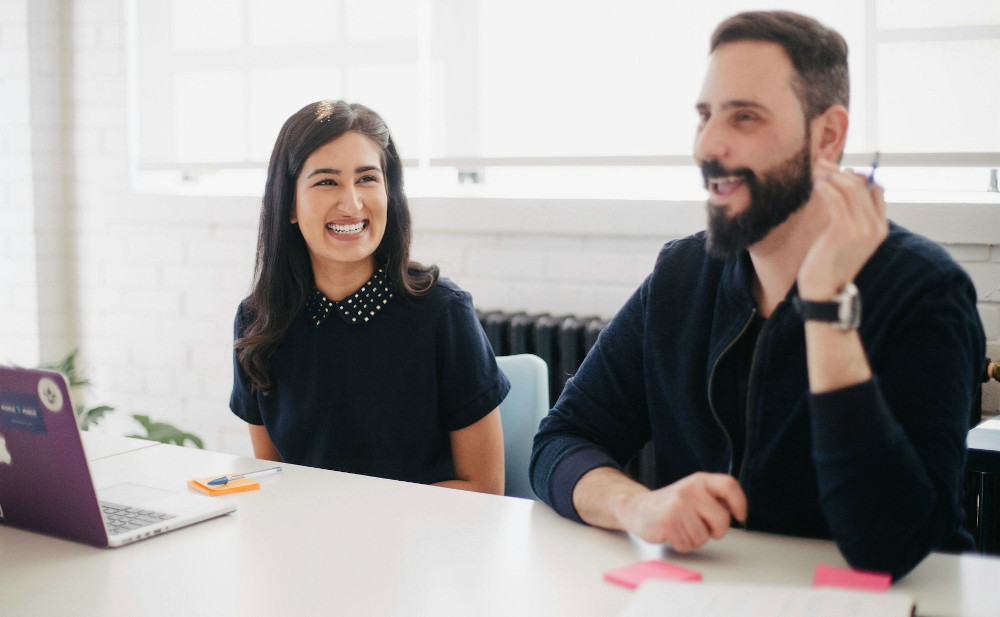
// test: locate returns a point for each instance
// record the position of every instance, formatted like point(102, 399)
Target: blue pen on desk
point(243, 476)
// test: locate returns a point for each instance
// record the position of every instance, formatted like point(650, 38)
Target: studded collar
point(357, 308)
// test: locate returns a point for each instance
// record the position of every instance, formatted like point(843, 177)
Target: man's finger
point(727, 490)
point(717, 519)
point(695, 529)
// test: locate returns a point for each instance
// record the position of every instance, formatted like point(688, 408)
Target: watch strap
point(817, 311)
point(844, 311)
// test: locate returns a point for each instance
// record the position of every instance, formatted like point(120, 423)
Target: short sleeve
point(242, 401)
point(470, 384)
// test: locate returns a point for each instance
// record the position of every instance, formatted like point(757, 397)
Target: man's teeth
point(725, 185)
point(346, 229)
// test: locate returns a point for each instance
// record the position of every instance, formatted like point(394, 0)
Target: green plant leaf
point(90, 417)
point(67, 366)
point(165, 433)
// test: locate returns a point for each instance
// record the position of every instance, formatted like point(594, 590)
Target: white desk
point(315, 542)
point(99, 445)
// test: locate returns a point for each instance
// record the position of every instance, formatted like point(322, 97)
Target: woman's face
point(341, 204)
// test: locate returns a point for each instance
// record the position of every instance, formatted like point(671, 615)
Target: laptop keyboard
point(119, 518)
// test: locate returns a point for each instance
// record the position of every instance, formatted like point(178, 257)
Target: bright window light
point(538, 97)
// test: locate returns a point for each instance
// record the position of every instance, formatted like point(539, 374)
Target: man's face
point(753, 144)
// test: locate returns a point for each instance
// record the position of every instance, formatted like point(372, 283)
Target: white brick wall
point(150, 283)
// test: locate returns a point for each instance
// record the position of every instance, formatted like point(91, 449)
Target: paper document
point(678, 599)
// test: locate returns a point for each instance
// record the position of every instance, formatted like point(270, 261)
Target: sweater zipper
point(711, 390)
point(750, 397)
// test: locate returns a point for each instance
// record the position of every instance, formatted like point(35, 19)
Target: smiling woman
point(348, 355)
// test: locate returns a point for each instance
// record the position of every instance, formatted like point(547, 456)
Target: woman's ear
point(829, 133)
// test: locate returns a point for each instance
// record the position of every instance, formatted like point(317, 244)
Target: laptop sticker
point(50, 394)
point(22, 412)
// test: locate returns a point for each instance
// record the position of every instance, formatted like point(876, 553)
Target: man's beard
point(774, 196)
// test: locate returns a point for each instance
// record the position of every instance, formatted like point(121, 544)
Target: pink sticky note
point(631, 576)
point(827, 576)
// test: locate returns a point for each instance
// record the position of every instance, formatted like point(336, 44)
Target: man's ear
point(829, 133)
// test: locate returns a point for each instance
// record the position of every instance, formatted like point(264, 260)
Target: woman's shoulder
point(445, 296)
point(447, 287)
point(244, 315)
point(444, 290)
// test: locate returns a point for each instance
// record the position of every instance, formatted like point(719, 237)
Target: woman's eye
point(368, 179)
point(327, 182)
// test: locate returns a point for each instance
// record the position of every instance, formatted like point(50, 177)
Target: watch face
point(849, 311)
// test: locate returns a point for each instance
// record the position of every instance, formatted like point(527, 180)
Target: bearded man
point(773, 401)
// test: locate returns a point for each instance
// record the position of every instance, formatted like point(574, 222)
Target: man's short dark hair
point(818, 54)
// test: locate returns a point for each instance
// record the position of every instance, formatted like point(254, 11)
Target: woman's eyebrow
point(336, 172)
point(324, 170)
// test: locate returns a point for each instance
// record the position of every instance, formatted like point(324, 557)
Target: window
point(542, 96)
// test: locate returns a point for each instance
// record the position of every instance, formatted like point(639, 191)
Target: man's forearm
point(885, 505)
point(601, 494)
point(835, 358)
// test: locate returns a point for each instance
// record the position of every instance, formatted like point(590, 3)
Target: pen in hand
point(243, 476)
point(871, 175)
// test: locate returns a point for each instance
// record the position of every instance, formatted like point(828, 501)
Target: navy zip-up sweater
point(877, 466)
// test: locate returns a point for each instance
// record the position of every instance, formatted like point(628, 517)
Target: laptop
point(45, 481)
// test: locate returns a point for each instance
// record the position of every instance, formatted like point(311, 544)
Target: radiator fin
point(562, 341)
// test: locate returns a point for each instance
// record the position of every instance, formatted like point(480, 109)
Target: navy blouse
point(375, 383)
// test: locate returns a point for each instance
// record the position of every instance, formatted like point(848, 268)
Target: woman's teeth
point(346, 229)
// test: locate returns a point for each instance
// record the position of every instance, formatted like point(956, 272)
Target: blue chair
point(525, 406)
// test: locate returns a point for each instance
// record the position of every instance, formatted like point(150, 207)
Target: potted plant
point(91, 416)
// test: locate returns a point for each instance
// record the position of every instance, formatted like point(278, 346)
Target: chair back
point(521, 412)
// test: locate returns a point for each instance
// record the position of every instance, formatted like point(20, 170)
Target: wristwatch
point(843, 312)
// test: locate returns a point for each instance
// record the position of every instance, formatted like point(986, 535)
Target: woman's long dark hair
point(283, 276)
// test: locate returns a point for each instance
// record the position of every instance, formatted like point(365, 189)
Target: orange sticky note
point(236, 486)
point(631, 576)
point(828, 576)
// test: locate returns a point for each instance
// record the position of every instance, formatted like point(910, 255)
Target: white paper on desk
point(992, 424)
point(685, 599)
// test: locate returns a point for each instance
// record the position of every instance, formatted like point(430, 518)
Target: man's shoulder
point(688, 258)
point(905, 251)
point(689, 249)
point(693, 244)
point(908, 269)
